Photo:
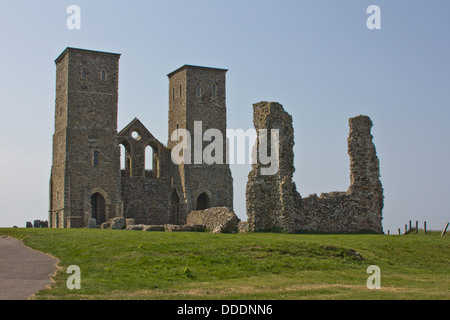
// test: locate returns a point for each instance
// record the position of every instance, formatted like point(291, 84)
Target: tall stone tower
point(85, 175)
point(197, 103)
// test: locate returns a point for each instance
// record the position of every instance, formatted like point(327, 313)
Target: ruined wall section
point(274, 203)
point(145, 193)
point(271, 198)
point(360, 208)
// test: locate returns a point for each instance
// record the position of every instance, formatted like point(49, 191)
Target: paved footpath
point(23, 271)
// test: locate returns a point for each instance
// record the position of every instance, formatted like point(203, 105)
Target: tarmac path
point(23, 271)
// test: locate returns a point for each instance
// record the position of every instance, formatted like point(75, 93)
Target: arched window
point(151, 161)
point(103, 75)
point(122, 157)
point(83, 73)
point(125, 158)
point(148, 158)
point(214, 88)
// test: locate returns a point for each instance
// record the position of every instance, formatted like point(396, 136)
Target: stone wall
point(85, 151)
point(273, 202)
point(271, 198)
point(87, 182)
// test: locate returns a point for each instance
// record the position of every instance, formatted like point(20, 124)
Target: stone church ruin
point(273, 202)
point(89, 188)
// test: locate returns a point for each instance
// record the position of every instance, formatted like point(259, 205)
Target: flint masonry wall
point(87, 182)
point(273, 202)
point(271, 198)
point(85, 153)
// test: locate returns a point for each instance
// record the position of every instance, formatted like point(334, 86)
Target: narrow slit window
point(83, 73)
point(199, 91)
point(181, 90)
point(214, 91)
point(96, 158)
point(103, 75)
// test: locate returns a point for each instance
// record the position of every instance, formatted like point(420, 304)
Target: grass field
point(156, 265)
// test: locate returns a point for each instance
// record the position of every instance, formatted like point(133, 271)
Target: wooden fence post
point(399, 233)
point(445, 230)
point(425, 227)
point(410, 226)
point(417, 226)
point(406, 228)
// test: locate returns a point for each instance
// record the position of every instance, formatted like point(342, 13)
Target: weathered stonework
point(271, 198)
point(273, 202)
point(87, 181)
point(221, 220)
point(88, 187)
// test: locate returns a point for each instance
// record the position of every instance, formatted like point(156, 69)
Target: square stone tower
point(85, 175)
point(197, 103)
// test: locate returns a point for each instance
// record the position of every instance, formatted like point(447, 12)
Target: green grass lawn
point(118, 264)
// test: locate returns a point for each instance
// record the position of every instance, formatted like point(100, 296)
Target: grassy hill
point(157, 265)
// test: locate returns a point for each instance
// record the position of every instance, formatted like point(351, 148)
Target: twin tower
point(87, 178)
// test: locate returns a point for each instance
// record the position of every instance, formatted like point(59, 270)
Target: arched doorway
point(98, 208)
point(174, 202)
point(203, 202)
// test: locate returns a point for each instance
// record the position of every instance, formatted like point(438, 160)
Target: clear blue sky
point(317, 58)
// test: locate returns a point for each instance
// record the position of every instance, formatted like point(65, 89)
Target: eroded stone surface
point(273, 202)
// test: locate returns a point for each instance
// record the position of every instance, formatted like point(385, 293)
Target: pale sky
point(317, 58)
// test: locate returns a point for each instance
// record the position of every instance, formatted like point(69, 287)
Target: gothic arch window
point(151, 161)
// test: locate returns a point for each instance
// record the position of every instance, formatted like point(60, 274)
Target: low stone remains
point(273, 203)
point(153, 228)
point(37, 224)
point(92, 224)
point(118, 223)
point(217, 220)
